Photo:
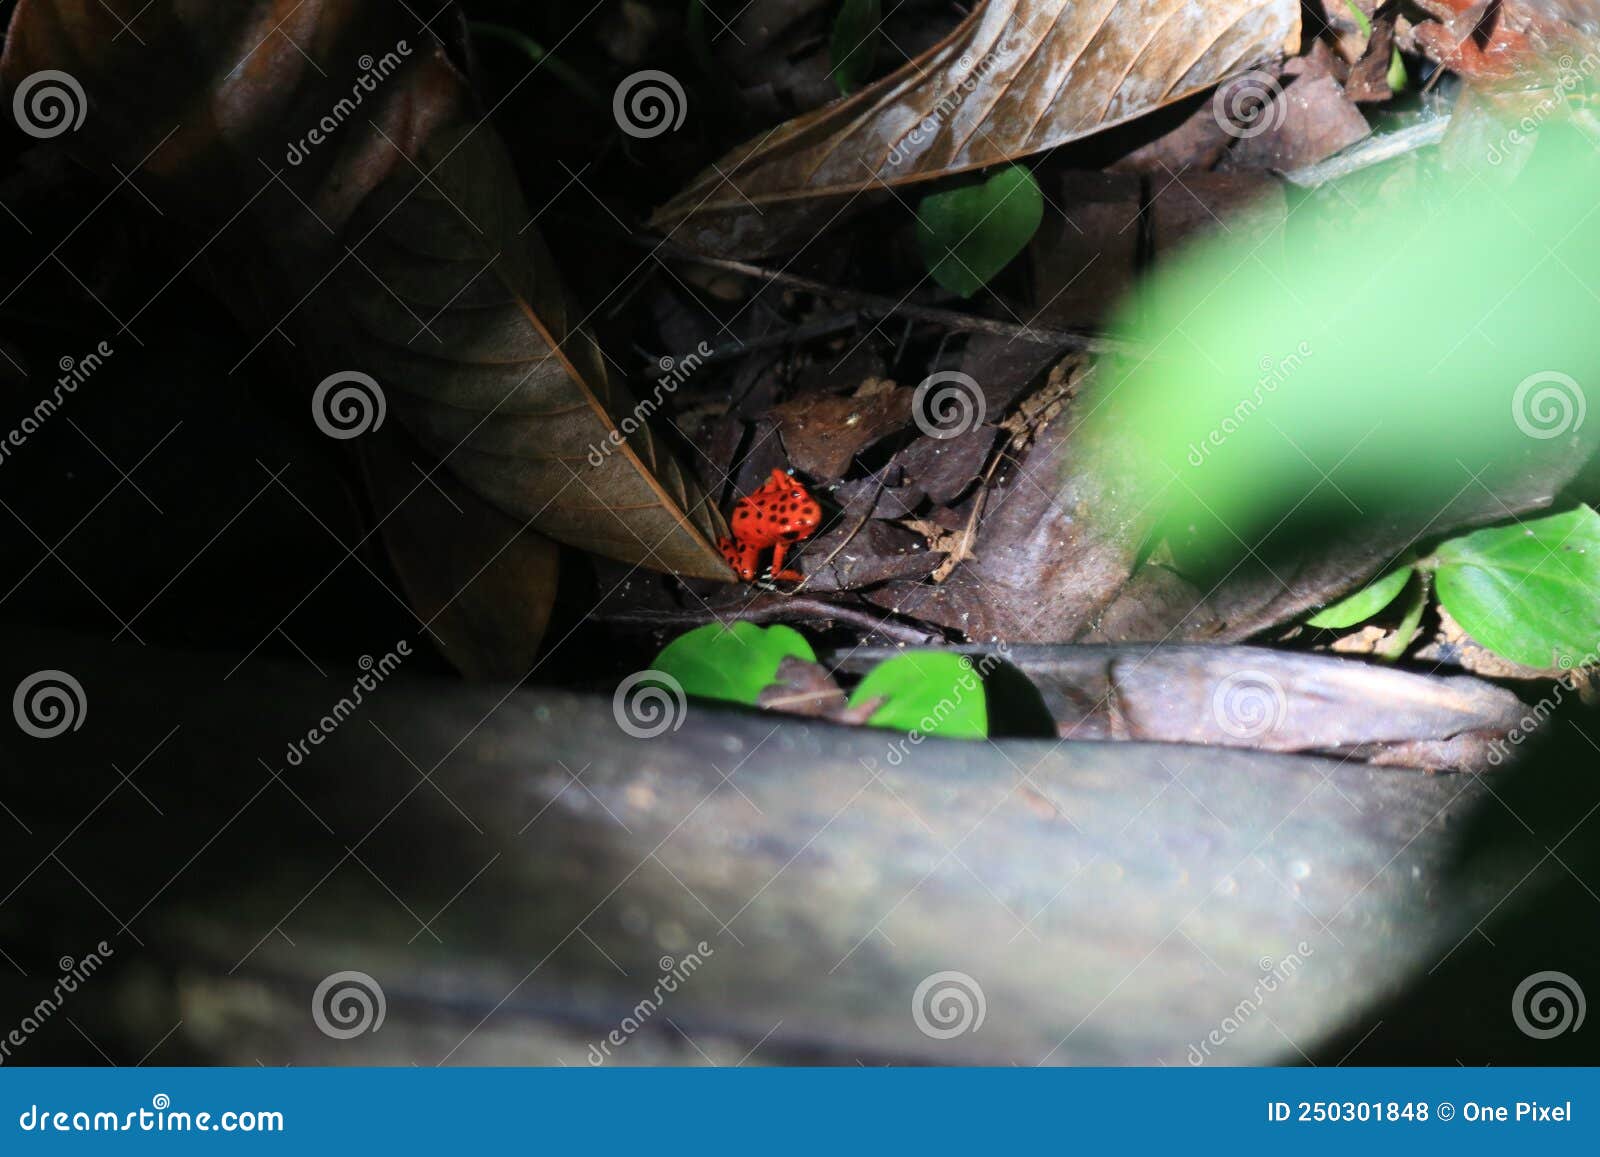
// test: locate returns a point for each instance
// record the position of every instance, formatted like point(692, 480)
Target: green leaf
point(853, 48)
point(1397, 64)
point(1247, 410)
point(1361, 17)
point(1530, 592)
point(732, 663)
point(968, 235)
point(931, 692)
point(1398, 77)
point(1365, 603)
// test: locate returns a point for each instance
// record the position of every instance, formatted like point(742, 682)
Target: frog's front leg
point(740, 557)
point(780, 549)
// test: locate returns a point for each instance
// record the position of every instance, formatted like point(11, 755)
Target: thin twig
point(789, 335)
point(879, 305)
point(872, 504)
point(1372, 151)
point(788, 608)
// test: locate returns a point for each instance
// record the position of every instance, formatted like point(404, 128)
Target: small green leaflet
point(853, 48)
point(968, 235)
point(1365, 603)
point(1398, 77)
point(731, 662)
point(1529, 592)
point(930, 692)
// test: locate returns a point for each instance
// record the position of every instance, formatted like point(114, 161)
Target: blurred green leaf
point(1530, 592)
point(968, 235)
point(731, 662)
point(853, 49)
point(931, 692)
point(1382, 359)
point(1365, 603)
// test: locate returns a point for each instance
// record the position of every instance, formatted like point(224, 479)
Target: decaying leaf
point(1259, 698)
point(1015, 77)
point(482, 585)
point(507, 389)
point(394, 242)
point(809, 689)
point(1501, 41)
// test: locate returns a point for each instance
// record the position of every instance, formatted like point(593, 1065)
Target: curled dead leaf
point(343, 191)
point(1014, 78)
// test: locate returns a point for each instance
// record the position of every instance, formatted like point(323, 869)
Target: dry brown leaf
point(1514, 44)
point(1015, 77)
point(482, 585)
point(397, 245)
point(517, 401)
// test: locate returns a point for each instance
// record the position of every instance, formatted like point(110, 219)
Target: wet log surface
point(1258, 698)
point(518, 874)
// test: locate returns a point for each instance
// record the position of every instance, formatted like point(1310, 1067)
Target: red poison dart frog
point(779, 514)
